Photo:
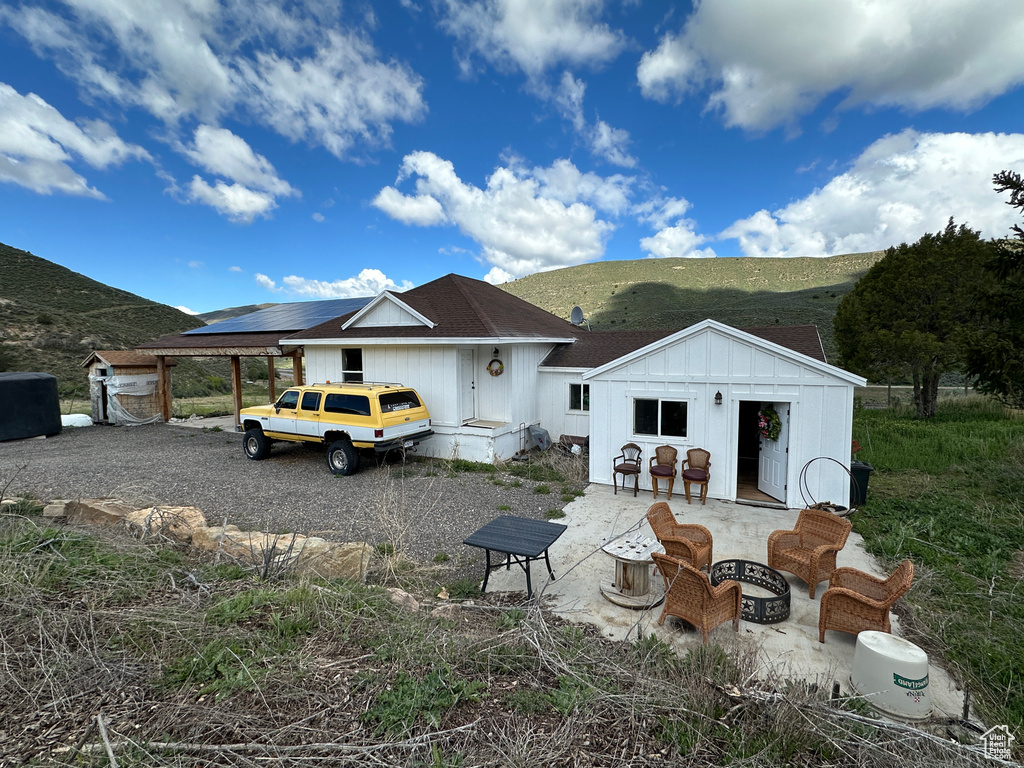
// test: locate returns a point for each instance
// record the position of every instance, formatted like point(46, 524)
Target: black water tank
point(29, 405)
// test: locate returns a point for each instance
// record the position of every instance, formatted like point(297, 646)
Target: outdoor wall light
point(718, 398)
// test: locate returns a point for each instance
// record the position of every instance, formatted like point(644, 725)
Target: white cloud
point(421, 210)
point(369, 282)
point(266, 282)
point(298, 68)
point(38, 145)
point(234, 269)
point(770, 63)
point(239, 203)
point(679, 241)
point(255, 184)
point(497, 276)
point(341, 96)
point(532, 35)
point(899, 188)
point(603, 141)
point(319, 218)
point(520, 227)
point(196, 264)
point(186, 310)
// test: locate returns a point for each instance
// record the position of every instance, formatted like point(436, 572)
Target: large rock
point(103, 511)
point(177, 522)
point(336, 561)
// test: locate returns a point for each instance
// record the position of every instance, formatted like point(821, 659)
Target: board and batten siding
point(386, 314)
point(694, 368)
point(434, 371)
point(553, 403)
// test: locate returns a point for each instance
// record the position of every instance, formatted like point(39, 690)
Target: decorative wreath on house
point(769, 425)
point(495, 367)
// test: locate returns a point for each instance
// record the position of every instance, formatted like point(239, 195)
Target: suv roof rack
point(366, 384)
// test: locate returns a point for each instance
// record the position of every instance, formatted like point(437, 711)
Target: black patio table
point(521, 539)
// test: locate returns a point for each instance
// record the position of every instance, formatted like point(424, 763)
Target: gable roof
point(736, 334)
point(596, 348)
point(459, 308)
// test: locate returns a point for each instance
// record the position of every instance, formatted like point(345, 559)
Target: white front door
point(773, 459)
point(467, 386)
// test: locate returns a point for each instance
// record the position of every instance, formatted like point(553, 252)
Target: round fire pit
point(761, 610)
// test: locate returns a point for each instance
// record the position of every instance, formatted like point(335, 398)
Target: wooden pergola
point(233, 345)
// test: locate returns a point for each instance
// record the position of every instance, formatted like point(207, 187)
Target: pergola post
point(236, 387)
point(297, 368)
point(271, 378)
point(163, 387)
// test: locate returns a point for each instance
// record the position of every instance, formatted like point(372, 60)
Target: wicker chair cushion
point(663, 471)
point(627, 469)
point(696, 475)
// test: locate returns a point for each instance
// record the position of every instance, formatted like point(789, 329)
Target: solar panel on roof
point(296, 316)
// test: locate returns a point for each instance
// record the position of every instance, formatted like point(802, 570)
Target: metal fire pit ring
point(760, 610)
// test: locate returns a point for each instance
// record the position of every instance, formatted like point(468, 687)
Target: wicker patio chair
point(856, 601)
point(809, 550)
point(627, 464)
point(697, 469)
point(663, 467)
point(690, 596)
point(686, 541)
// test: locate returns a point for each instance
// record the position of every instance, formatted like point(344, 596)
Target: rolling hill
point(675, 293)
point(51, 319)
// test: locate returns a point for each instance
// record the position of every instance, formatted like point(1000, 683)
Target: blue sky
point(209, 154)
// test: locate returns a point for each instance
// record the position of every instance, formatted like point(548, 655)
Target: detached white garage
point(704, 387)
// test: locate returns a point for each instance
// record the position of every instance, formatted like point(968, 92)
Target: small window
point(352, 405)
point(288, 399)
point(352, 364)
point(398, 401)
point(662, 418)
point(579, 397)
point(311, 401)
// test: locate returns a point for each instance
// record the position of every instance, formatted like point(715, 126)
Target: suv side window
point(353, 405)
point(398, 401)
point(310, 401)
point(289, 399)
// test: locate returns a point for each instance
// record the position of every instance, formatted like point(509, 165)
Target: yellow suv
point(344, 417)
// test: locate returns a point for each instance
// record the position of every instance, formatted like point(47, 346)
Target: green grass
point(947, 493)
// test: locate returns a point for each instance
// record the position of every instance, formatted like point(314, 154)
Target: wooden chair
point(690, 596)
point(627, 463)
point(809, 550)
point(687, 541)
point(663, 466)
point(697, 469)
point(856, 601)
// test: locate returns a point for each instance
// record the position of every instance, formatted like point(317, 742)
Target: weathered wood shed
point(123, 387)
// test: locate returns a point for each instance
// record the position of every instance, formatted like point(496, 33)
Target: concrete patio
point(789, 649)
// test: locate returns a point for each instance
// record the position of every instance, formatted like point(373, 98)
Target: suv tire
point(255, 444)
point(342, 458)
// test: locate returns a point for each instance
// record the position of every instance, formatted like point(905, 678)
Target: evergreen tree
point(994, 344)
point(905, 317)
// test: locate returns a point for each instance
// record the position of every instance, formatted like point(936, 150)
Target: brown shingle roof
point(459, 307)
point(800, 338)
point(596, 348)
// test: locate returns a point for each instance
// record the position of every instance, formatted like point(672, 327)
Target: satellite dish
point(576, 316)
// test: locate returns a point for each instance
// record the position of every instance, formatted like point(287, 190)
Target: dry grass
point(115, 649)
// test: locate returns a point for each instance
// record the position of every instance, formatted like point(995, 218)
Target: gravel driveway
point(422, 507)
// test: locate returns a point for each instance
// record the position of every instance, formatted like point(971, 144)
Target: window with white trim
point(352, 364)
point(579, 397)
point(659, 418)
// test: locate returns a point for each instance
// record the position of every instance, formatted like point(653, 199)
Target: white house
point(489, 364)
